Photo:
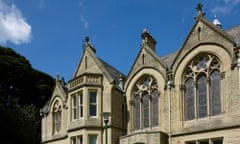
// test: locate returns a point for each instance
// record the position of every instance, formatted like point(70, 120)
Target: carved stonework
point(146, 84)
point(89, 79)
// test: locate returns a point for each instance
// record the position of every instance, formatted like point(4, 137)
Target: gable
point(90, 63)
point(87, 64)
point(204, 33)
point(59, 92)
point(147, 58)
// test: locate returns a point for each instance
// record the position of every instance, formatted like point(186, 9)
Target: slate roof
point(168, 59)
point(113, 72)
point(235, 33)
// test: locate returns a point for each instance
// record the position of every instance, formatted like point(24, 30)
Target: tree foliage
point(23, 91)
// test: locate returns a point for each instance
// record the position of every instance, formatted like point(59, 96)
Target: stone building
point(191, 96)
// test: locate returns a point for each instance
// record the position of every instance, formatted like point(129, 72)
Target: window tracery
point(202, 81)
point(145, 103)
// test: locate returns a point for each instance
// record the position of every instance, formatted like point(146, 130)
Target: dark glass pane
point(93, 110)
point(190, 142)
point(202, 96)
point(93, 97)
point(202, 63)
point(215, 93)
point(205, 142)
point(154, 107)
point(80, 139)
point(189, 99)
point(74, 141)
point(81, 99)
point(145, 110)
point(137, 112)
point(81, 111)
point(74, 101)
point(217, 142)
point(93, 139)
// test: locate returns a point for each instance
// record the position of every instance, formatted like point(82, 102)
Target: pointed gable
point(204, 32)
point(147, 57)
point(60, 91)
point(90, 63)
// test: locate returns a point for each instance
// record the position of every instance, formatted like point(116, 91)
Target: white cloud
point(84, 21)
point(13, 26)
point(226, 7)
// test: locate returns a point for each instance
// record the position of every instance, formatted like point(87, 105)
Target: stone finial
point(87, 44)
point(86, 40)
point(148, 40)
point(199, 11)
point(199, 7)
point(57, 77)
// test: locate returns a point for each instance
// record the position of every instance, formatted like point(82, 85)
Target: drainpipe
point(169, 86)
point(238, 65)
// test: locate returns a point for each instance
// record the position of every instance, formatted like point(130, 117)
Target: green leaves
point(23, 91)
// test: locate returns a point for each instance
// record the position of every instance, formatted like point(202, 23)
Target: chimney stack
point(148, 40)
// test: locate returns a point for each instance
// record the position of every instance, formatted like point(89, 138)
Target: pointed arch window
point(57, 117)
point(154, 114)
point(202, 96)
point(137, 112)
point(189, 99)
point(145, 99)
point(202, 81)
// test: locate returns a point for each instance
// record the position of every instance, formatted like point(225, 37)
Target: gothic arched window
point(202, 84)
point(145, 99)
point(57, 117)
point(137, 112)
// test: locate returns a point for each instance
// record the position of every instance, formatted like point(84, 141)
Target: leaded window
point(145, 98)
point(137, 111)
point(202, 83)
point(57, 117)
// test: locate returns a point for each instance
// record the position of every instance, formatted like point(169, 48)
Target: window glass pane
point(217, 142)
point(81, 111)
point(215, 96)
point(93, 98)
point(93, 110)
point(190, 142)
point(145, 110)
point(202, 96)
point(80, 99)
point(189, 99)
point(137, 112)
point(93, 139)
point(80, 140)
point(74, 107)
point(58, 122)
point(80, 105)
point(73, 140)
point(154, 107)
point(205, 142)
point(93, 103)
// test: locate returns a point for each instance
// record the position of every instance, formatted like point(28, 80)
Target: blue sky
point(50, 33)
